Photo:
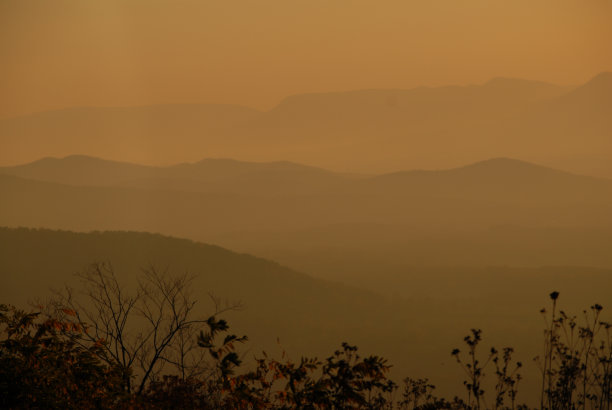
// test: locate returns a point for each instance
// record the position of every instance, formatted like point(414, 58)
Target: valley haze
point(306, 204)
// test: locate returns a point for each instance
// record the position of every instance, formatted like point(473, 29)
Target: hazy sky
point(61, 53)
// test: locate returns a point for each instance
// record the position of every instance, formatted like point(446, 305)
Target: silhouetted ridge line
point(601, 79)
point(141, 109)
point(493, 165)
point(597, 91)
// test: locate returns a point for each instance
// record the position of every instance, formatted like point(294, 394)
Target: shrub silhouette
point(577, 363)
point(507, 377)
point(53, 360)
point(141, 332)
point(46, 363)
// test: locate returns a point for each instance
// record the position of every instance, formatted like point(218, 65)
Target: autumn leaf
point(69, 312)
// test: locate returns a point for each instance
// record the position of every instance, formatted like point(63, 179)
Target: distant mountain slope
point(342, 252)
point(482, 195)
point(578, 123)
point(80, 170)
point(365, 130)
point(157, 133)
point(498, 179)
point(278, 302)
point(399, 108)
point(218, 175)
point(596, 93)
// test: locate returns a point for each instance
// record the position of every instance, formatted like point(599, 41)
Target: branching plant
point(143, 331)
point(576, 367)
point(473, 368)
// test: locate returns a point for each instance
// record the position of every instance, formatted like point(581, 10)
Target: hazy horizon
point(126, 53)
point(11, 168)
point(283, 98)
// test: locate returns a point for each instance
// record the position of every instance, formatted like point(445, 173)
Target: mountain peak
point(501, 162)
point(76, 160)
point(601, 79)
point(504, 165)
point(596, 92)
point(80, 158)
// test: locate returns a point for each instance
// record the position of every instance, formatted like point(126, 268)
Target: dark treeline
point(101, 346)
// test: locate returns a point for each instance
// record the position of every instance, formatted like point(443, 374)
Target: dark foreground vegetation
point(104, 347)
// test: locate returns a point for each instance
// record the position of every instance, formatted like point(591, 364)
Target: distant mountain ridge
point(481, 195)
point(364, 130)
point(212, 174)
point(497, 168)
point(91, 171)
point(599, 86)
point(35, 261)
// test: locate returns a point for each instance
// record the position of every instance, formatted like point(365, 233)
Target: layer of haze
point(318, 104)
point(61, 53)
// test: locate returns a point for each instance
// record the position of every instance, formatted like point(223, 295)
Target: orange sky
point(62, 53)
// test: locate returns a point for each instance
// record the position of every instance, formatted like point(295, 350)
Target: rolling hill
point(220, 196)
point(208, 175)
point(502, 179)
point(495, 212)
point(307, 314)
point(146, 132)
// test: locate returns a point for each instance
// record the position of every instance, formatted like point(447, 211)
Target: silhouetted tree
point(142, 331)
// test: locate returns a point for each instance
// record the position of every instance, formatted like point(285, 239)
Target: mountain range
point(222, 195)
point(363, 131)
point(208, 175)
point(495, 212)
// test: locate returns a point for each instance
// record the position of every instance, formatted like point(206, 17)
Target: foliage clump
point(70, 359)
point(45, 363)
